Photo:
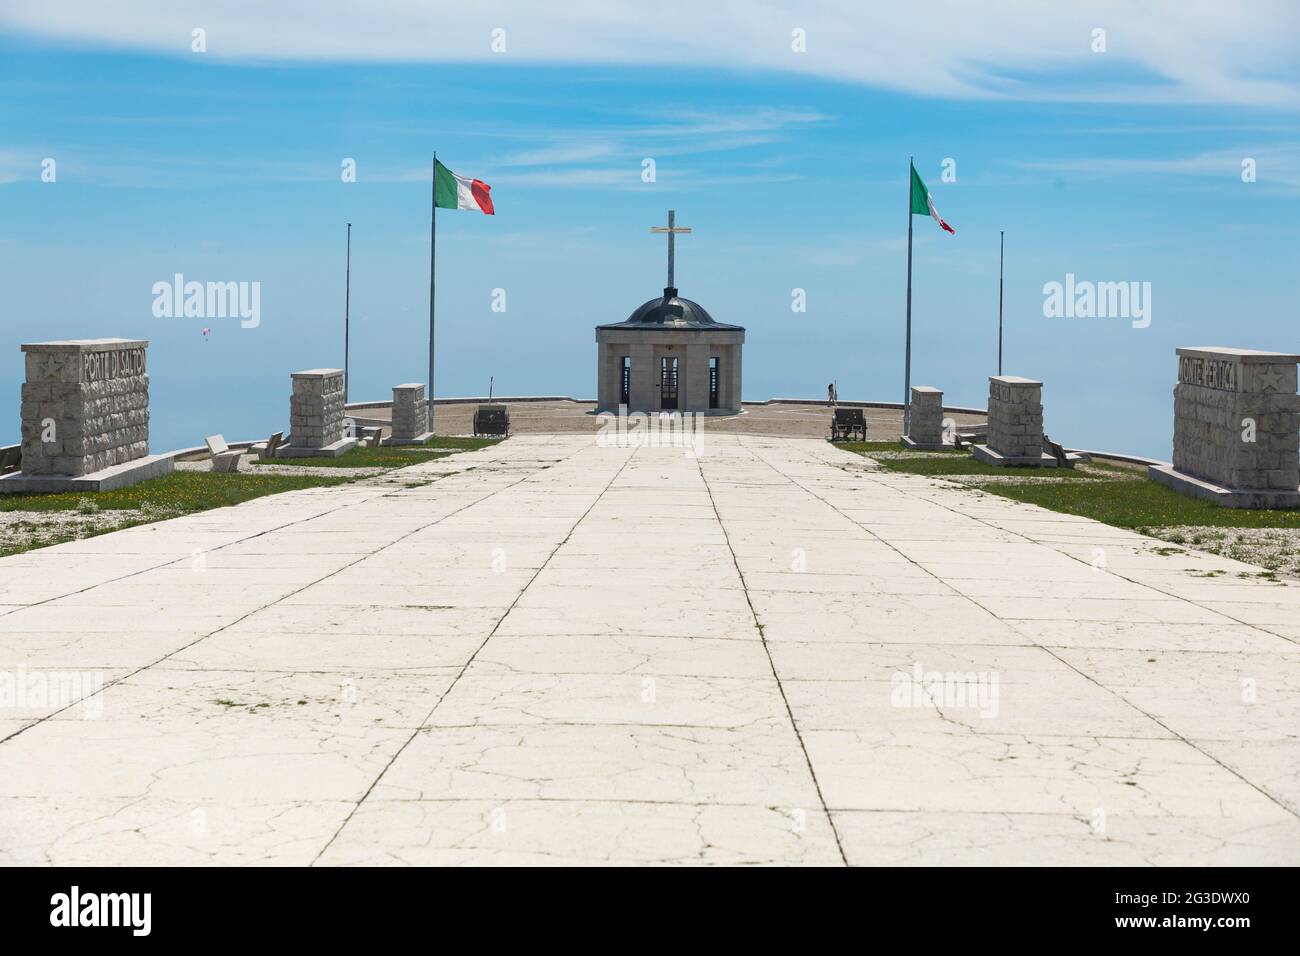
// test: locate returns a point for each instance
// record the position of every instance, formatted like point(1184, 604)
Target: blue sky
point(225, 166)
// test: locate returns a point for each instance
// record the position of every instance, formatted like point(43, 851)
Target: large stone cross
point(672, 231)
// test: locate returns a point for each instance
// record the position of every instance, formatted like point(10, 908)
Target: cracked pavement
point(553, 652)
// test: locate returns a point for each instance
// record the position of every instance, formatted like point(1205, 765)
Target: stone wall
point(85, 406)
point(316, 408)
point(925, 421)
point(1237, 418)
point(410, 415)
point(1015, 416)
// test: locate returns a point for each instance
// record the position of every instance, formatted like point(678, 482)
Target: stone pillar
point(606, 389)
point(730, 361)
point(85, 417)
point(1015, 423)
point(645, 378)
point(695, 381)
point(410, 415)
point(926, 424)
point(316, 409)
point(1236, 428)
point(85, 406)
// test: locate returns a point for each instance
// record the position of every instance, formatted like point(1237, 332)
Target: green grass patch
point(360, 457)
point(1139, 505)
point(390, 456)
point(461, 443)
point(966, 465)
point(181, 492)
point(862, 447)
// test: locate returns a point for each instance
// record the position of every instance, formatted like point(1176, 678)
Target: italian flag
point(460, 192)
point(922, 204)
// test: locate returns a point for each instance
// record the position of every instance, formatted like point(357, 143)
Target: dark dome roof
point(671, 311)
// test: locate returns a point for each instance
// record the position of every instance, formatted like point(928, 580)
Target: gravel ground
point(20, 530)
point(246, 465)
point(1277, 549)
point(1014, 475)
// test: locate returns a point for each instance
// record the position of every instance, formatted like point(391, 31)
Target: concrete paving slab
point(549, 652)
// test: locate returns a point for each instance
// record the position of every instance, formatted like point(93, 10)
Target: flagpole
point(347, 301)
point(1001, 256)
point(907, 362)
point(433, 236)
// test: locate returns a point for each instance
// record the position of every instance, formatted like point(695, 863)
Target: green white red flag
point(451, 191)
point(923, 203)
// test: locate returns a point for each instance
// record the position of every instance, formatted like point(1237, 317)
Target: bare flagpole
point(907, 361)
point(433, 236)
point(1001, 256)
point(347, 301)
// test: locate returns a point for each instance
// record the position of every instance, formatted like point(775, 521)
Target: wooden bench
point(847, 422)
point(491, 420)
point(223, 459)
point(11, 456)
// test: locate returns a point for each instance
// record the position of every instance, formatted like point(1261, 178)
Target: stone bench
point(266, 450)
point(223, 459)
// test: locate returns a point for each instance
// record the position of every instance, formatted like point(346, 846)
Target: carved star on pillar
point(1269, 379)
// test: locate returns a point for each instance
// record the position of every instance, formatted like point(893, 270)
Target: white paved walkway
point(570, 653)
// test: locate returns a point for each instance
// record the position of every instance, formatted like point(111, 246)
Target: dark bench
point(11, 456)
point(847, 422)
point(491, 420)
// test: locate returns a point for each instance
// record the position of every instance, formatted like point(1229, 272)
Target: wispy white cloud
point(569, 157)
point(13, 167)
point(1167, 51)
point(578, 152)
point(1274, 165)
point(608, 158)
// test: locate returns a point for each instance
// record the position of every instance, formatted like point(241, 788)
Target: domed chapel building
point(669, 355)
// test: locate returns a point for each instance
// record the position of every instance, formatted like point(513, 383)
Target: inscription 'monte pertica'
point(1209, 373)
point(121, 363)
point(1235, 419)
